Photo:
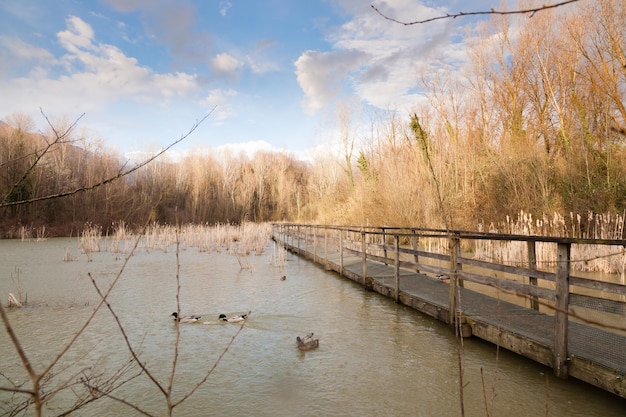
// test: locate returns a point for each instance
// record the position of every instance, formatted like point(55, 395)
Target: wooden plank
point(511, 341)
point(598, 285)
point(514, 270)
point(507, 285)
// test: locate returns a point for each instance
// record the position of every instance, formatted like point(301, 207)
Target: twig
point(530, 11)
point(208, 374)
point(113, 178)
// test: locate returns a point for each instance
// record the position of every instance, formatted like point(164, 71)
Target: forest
point(536, 124)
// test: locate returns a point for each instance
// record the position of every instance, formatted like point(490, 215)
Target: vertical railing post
point(298, 238)
point(396, 295)
point(314, 228)
point(415, 246)
point(364, 253)
point(562, 307)
point(307, 233)
point(384, 244)
point(459, 266)
point(532, 265)
point(454, 279)
point(326, 262)
point(341, 252)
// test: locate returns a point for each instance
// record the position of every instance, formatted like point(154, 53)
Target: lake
point(375, 358)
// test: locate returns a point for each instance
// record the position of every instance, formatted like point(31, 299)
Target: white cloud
point(226, 63)
point(220, 99)
point(77, 36)
point(224, 6)
point(381, 60)
point(320, 74)
point(89, 76)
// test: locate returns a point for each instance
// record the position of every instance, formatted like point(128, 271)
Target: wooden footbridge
point(518, 292)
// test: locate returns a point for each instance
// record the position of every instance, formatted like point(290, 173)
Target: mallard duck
point(185, 319)
point(234, 319)
point(307, 342)
point(443, 278)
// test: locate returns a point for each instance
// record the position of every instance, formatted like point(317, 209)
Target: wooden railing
point(544, 282)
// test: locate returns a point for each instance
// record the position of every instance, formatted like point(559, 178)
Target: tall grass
point(89, 241)
point(586, 258)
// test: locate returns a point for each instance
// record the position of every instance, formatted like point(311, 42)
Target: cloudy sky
point(143, 71)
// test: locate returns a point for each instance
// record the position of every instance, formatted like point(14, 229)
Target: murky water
point(375, 358)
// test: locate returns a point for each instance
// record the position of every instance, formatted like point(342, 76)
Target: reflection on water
point(375, 357)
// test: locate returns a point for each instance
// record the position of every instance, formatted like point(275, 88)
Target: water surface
point(376, 358)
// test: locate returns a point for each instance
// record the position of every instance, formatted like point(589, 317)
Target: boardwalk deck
point(522, 330)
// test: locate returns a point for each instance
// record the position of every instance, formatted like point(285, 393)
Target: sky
point(272, 73)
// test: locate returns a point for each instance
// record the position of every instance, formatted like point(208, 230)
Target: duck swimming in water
point(234, 319)
point(307, 342)
point(185, 319)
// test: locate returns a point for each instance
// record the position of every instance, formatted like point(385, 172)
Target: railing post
point(532, 265)
point(414, 242)
point(562, 306)
point(298, 238)
point(341, 252)
point(314, 229)
point(364, 252)
point(326, 246)
point(454, 279)
point(384, 244)
point(307, 233)
point(397, 267)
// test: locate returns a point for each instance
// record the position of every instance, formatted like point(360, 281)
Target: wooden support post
point(532, 264)
point(307, 233)
point(397, 268)
point(298, 238)
point(454, 281)
point(414, 245)
point(341, 252)
point(314, 229)
point(459, 266)
point(326, 262)
point(562, 306)
point(384, 244)
point(364, 253)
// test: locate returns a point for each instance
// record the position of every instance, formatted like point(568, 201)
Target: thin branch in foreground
point(530, 11)
point(115, 177)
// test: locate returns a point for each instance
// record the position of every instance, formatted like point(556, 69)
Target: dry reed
point(585, 258)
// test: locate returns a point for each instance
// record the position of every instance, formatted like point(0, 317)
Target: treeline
point(198, 189)
point(537, 123)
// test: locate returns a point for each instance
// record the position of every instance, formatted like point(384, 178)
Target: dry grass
point(585, 258)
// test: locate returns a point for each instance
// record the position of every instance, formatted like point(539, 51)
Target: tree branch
point(107, 180)
point(530, 11)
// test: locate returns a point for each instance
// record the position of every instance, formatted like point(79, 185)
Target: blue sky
point(143, 71)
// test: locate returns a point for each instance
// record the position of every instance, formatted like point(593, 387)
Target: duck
point(284, 277)
point(443, 278)
point(185, 319)
point(234, 319)
point(307, 342)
